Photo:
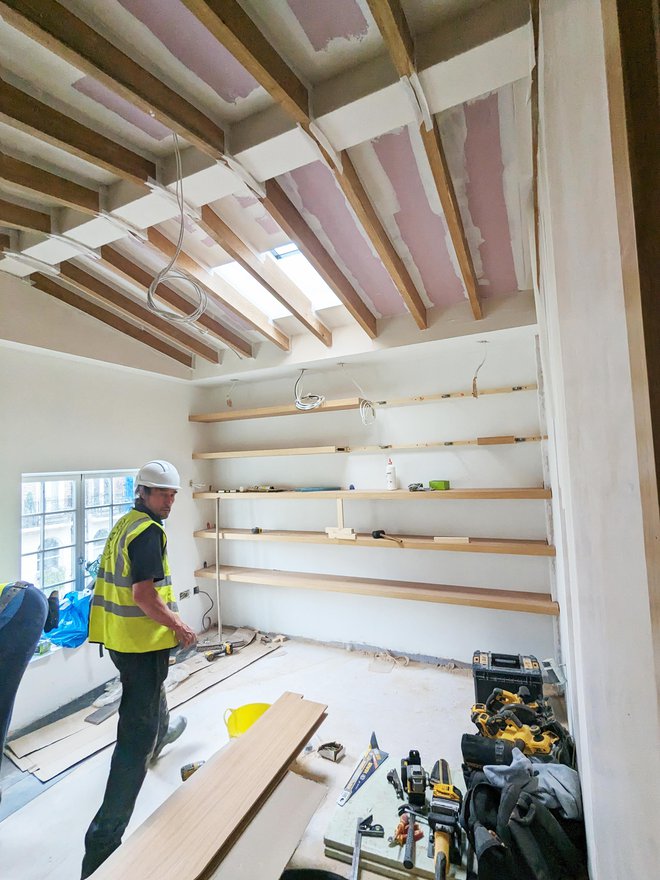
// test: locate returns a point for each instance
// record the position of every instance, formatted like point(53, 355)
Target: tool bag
point(516, 837)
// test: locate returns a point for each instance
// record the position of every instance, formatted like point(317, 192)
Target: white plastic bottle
point(390, 475)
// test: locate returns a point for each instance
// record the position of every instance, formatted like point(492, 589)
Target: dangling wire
point(475, 390)
point(169, 273)
point(233, 384)
point(367, 408)
point(307, 401)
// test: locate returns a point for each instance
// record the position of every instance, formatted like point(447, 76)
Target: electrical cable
point(367, 407)
point(207, 613)
point(475, 390)
point(307, 401)
point(170, 273)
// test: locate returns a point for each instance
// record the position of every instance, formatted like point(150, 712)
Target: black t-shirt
point(146, 551)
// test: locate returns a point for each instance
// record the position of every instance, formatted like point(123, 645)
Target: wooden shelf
point(476, 597)
point(396, 495)
point(290, 409)
point(331, 450)
point(510, 546)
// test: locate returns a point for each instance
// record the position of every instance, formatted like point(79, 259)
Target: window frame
point(79, 510)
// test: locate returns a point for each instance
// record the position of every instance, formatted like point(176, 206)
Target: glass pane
point(97, 524)
point(29, 566)
point(123, 489)
point(59, 530)
point(55, 566)
point(30, 534)
point(59, 494)
point(118, 512)
point(98, 491)
point(31, 498)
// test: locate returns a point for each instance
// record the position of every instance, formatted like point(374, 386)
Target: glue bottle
point(390, 475)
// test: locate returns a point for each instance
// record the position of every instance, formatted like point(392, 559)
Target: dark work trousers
point(18, 639)
point(143, 720)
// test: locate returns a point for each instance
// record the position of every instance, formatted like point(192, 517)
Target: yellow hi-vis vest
point(115, 619)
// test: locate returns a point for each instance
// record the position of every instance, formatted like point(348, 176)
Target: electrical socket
point(184, 594)
point(195, 591)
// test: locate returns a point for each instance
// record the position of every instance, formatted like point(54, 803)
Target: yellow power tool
point(506, 725)
point(443, 818)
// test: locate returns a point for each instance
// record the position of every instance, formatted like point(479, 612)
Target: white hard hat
point(158, 475)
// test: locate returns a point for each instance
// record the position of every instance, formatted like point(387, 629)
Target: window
point(65, 521)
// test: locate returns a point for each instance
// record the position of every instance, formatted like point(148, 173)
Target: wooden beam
point(266, 272)
point(5, 241)
point(100, 290)
point(18, 217)
point(474, 597)
point(129, 270)
point(285, 215)
point(38, 182)
point(263, 412)
point(393, 26)
point(524, 494)
point(507, 546)
point(231, 26)
point(194, 828)
point(235, 30)
point(58, 30)
point(220, 291)
point(50, 287)
point(24, 112)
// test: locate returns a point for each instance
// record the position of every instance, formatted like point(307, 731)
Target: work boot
point(176, 727)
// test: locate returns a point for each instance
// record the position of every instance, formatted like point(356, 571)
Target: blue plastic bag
point(74, 620)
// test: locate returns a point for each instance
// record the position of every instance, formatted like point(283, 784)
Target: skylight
point(293, 264)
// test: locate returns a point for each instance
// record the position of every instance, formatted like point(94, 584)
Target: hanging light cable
point(367, 407)
point(170, 273)
point(475, 390)
point(307, 401)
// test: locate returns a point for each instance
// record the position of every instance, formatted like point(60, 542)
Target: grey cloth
point(554, 785)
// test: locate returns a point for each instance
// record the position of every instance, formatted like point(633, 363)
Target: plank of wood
point(510, 546)
point(268, 453)
point(265, 847)
point(38, 182)
point(495, 441)
point(19, 217)
point(88, 739)
point(394, 495)
point(195, 828)
point(473, 597)
point(352, 403)
point(263, 412)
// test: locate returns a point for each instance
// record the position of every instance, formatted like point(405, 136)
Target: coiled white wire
point(306, 401)
point(169, 273)
point(367, 407)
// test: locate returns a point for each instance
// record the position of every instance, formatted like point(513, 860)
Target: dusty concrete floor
point(416, 706)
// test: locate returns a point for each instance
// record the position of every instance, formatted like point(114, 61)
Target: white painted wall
point(602, 577)
point(415, 627)
point(63, 415)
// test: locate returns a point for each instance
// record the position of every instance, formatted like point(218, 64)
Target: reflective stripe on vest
point(115, 619)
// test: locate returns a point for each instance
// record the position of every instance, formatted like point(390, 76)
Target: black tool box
point(506, 671)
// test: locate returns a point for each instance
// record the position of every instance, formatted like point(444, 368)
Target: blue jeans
point(143, 720)
point(18, 639)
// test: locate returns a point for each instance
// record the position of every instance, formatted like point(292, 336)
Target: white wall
point(603, 582)
point(62, 415)
point(415, 627)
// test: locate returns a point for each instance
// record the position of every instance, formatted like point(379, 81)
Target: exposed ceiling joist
point(18, 217)
point(285, 215)
point(61, 32)
point(38, 182)
point(24, 112)
point(221, 292)
point(233, 28)
point(393, 26)
point(135, 274)
point(99, 290)
point(265, 272)
point(48, 286)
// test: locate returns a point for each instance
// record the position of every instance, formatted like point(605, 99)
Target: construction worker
point(23, 612)
point(133, 615)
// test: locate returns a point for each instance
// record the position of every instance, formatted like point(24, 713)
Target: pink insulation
point(326, 20)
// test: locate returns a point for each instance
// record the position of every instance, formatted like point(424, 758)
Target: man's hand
point(185, 635)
